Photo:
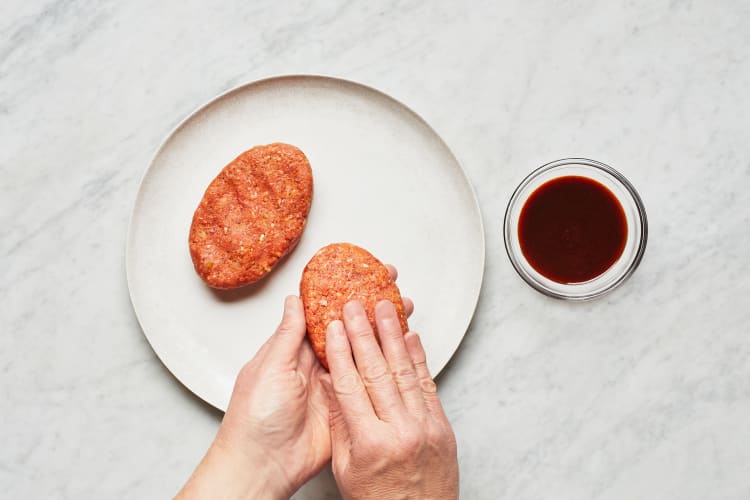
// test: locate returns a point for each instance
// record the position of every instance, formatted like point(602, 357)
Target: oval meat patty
point(336, 274)
point(251, 215)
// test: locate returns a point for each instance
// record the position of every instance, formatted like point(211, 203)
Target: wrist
point(228, 473)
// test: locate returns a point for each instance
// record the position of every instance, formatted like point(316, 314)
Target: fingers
point(348, 388)
point(392, 271)
point(371, 364)
point(399, 361)
point(408, 306)
point(306, 358)
point(286, 341)
point(426, 384)
point(336, 421)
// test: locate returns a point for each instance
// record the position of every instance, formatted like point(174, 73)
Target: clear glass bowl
point(635, 215)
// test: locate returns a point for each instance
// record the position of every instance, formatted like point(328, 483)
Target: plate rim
point(280, 78)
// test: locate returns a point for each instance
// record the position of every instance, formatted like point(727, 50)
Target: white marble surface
point(643, 394)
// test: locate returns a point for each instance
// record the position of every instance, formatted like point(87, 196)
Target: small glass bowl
point(635, 215)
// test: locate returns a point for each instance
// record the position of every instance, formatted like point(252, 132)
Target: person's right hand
point(389, 435)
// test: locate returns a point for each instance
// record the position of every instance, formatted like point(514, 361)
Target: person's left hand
point(275, 434)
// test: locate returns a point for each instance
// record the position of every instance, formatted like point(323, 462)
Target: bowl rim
point(566, 291)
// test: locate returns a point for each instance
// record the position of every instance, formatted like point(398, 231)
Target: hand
point(275, 434)
point(390, 437)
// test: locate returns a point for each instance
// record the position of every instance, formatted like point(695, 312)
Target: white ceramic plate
point(383, 180)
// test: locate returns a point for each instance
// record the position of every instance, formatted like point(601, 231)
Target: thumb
point(290, 333)
point(339, 431)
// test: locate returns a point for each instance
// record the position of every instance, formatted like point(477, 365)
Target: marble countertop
point(643, 394)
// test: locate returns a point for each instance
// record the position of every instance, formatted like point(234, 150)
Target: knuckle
point(362, 332)
point(246, 369)
point(428, 385)
point(370, 447)
point(404, 372)
point(287, 327)
point(446, 433)
point(360, 326)
point(376, 375)
point(391, 332)
point(347, 384)
point(419, 359)
point(404, 454)
point(247, 373)
point(411, 442)
point(440, 439)
point(405, 378)
point(437, 435)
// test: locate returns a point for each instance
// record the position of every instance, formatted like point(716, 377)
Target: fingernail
point(385, 307)
point(291, 302)
point(352, 309)
point(335, 330)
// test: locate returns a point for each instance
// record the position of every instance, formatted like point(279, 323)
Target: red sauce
point(572, 229)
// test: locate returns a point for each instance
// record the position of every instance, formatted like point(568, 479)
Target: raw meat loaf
point(336, 274)
point(251, 215)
